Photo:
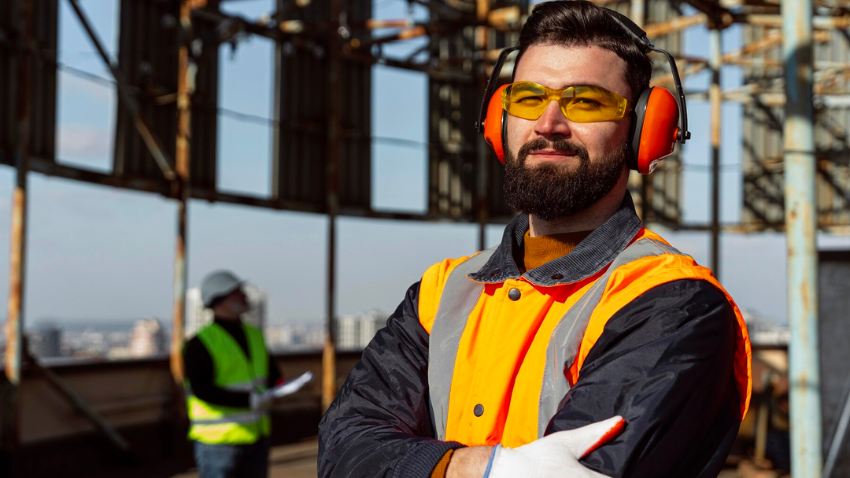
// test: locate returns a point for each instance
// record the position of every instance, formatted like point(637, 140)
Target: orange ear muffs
point(495, 123)
point(655, 129)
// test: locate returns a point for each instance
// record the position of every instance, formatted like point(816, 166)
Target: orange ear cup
point(494, 123)
point(658, 123)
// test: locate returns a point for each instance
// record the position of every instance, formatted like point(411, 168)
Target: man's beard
point(550, 190)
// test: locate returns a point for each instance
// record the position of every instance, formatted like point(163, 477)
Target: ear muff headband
point(642, 42)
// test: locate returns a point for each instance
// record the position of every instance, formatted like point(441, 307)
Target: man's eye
point(587, 102)
point(529, 100)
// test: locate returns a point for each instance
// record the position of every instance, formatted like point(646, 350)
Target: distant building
point(197, 316)
point(147, 340)
point(354, 332)
point(45, 342)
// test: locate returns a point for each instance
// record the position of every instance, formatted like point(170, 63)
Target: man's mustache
point(561, 145)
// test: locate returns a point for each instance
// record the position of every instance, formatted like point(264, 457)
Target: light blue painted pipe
point(801, 231)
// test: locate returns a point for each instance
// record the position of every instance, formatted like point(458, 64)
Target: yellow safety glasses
point(581, 104)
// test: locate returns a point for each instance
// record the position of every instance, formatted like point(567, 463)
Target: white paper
point(292, 386)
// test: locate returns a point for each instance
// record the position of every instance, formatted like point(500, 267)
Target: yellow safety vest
point(218, 425)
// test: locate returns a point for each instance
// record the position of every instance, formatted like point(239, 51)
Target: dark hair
point(582, 23)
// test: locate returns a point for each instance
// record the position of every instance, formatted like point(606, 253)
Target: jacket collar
point(596, 251)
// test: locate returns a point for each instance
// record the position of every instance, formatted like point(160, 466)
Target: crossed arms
point(664, 363)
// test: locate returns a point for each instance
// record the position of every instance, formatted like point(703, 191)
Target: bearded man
point(513, 361)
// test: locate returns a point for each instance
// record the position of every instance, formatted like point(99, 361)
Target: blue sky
point(101, 253)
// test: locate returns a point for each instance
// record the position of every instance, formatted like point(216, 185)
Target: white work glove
point(556, 455)
point(261, 400)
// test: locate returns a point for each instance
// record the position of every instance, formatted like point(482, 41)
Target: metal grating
point(149, 65)
point(661, 189)
point(42, 124)
point(763, 198)
point(663, 194)
point(302, 82)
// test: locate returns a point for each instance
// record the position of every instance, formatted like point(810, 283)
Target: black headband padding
point(631, 29)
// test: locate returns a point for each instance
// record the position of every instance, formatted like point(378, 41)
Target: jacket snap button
point(514, 294)
point(557, 276)
point(478, 410)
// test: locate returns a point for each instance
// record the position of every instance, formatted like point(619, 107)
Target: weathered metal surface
point(149, 62)
point(42, 80)
point(801, 220)
point(183, 184)
point(23, 24)
point(833, 304)
point(333, 184)
point(80, 405)
point(302, 84)
point(715, 100)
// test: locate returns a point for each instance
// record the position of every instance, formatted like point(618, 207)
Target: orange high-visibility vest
point(532, 363)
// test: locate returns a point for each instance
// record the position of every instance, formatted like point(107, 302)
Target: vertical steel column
point(184, 122)
point(801, 231)
point(637, 13)
point(714, 96)
point(9, 431)
point(329, 352)
point(483, 159)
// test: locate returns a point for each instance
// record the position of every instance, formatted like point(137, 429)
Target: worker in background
point(495, 364)
point(228, 377)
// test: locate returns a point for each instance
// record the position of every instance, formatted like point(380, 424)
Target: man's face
point(556, 167)
point(232, 306)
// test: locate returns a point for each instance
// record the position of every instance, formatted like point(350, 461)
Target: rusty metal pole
point(715, 100)
point(9, 425)
point(329, 352)
point(801, 231)
point(483, 159)
point(184, 122)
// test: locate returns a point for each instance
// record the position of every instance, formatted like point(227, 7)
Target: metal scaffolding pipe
point(801, 224)
point(184, 124)
point(329, 352)
point(9, 415)
point(715, 99)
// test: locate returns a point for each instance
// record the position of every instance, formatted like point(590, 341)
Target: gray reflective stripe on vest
point(460, 294)
point(568, 334)
point(246, 386)
point(239, 418)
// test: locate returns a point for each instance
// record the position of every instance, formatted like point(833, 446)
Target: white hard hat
point(218, 284)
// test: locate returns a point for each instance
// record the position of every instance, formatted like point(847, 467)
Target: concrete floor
point(296, 460)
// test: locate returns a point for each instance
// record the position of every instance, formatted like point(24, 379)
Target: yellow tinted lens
point(582, 104)
point(526, 100)
point(589, 104)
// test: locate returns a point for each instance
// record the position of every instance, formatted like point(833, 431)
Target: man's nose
point(552, 122)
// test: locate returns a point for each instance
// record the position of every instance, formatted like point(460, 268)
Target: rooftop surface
point(296, 460)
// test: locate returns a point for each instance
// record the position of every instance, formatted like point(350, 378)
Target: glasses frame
point(624, 106)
